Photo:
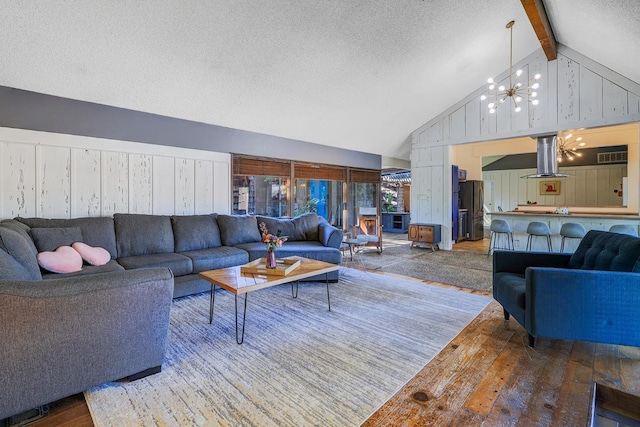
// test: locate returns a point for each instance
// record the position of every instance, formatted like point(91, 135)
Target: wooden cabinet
point(425, 234)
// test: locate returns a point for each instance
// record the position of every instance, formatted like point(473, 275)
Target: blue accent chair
point(590, 295)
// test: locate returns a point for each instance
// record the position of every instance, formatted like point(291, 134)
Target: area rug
point(460, 268)
point(300, 364)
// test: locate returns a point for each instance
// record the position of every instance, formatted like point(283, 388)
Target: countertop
point(569, 215)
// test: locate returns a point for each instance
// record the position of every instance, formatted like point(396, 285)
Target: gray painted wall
point(21, 109)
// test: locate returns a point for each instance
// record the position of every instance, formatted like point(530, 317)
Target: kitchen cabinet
point(395, 222)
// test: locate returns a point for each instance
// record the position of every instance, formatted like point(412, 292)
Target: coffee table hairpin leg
point(326, 279)
point(244, 318)
point(294, 289)
point(213, 299)
point(239, 340)
point(240, 337)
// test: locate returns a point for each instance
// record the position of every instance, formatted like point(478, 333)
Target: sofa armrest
point(585, 305)
point(329, 235)
point(62, 336)
point(518, 261)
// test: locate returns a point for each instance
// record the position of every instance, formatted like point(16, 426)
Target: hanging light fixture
point(568, 147)
point(498, 94)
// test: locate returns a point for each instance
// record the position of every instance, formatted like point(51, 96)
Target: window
point(282, 188)
point(363, 192)
point(260, 195)
point(261, 187)
point(323, 197)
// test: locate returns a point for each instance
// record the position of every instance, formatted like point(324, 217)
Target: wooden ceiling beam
point(540, 23)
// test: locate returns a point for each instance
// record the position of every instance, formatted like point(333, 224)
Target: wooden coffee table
point(237, 282)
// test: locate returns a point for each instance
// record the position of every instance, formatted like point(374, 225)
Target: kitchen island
point(520, 219)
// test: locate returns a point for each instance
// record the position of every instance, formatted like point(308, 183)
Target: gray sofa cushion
point(237, 229)
point(195, 232)
point(329, 235)
point(21, 229)
point(311, 250)
point(178, 264)
point(50, 239)
point(301, 228)
point(214, 258)
point(143, 234)
point(86, 269)
point(96, 231)
point(17, 259)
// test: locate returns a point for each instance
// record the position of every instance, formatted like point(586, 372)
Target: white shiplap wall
point(585, 186)
point(65, 176)
point(575, 92)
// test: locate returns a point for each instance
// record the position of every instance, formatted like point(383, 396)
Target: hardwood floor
point(488, 375)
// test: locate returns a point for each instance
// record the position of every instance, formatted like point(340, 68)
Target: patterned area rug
point(300, 365)
point(460, 268)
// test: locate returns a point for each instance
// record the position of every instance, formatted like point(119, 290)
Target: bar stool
point(624, 229)
point(536, 228)
point(571, 230)
point(500, 226)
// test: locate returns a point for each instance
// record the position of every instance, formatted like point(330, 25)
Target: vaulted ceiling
point(357, 74)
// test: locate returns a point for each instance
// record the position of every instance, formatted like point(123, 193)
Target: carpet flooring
point(467, 269)
point(300, 365)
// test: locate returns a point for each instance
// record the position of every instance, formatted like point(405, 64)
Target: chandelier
point(568, 147)
point(516, 91)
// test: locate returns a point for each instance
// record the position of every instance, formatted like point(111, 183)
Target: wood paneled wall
point(586, 186)
point(65, 176)
point(575, 92)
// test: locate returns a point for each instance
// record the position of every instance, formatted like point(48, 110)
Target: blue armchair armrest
point(517, 262)
point(585, 305)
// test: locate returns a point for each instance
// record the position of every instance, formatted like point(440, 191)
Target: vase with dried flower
point(273, 242)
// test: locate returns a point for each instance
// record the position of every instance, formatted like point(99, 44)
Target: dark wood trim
point(540, 22)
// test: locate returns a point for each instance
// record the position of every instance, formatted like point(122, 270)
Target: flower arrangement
point(273, 241)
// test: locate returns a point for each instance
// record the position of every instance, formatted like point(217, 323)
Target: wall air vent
point(612, 157)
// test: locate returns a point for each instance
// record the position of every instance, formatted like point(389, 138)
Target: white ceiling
point(357, 74)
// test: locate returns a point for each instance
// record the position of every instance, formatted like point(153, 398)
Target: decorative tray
point(259, 266)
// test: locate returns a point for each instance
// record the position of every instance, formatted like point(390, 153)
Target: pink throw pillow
point(63, 260)
point(92, 255)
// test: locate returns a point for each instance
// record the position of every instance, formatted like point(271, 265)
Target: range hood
point(547, 158)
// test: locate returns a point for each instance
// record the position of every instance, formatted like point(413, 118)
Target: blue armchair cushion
point(601, 250)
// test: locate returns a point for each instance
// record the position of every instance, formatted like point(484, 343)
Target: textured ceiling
point(357, 74)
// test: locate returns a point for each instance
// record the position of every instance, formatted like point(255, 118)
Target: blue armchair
point(591, 295)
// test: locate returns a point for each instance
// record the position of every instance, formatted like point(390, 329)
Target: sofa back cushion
point(22, 229)
point(300, 228)
point(602, 250)
point(138, 234)
point(17, 256)
point(236, 229)
point(97, 231)
point(50, 239)
point(195, 232)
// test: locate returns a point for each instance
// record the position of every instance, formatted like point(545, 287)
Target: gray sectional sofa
point(64, 333)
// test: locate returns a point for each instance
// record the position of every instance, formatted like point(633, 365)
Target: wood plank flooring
point(488, 375)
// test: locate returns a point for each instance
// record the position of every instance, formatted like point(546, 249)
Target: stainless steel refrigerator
point(471, 195)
